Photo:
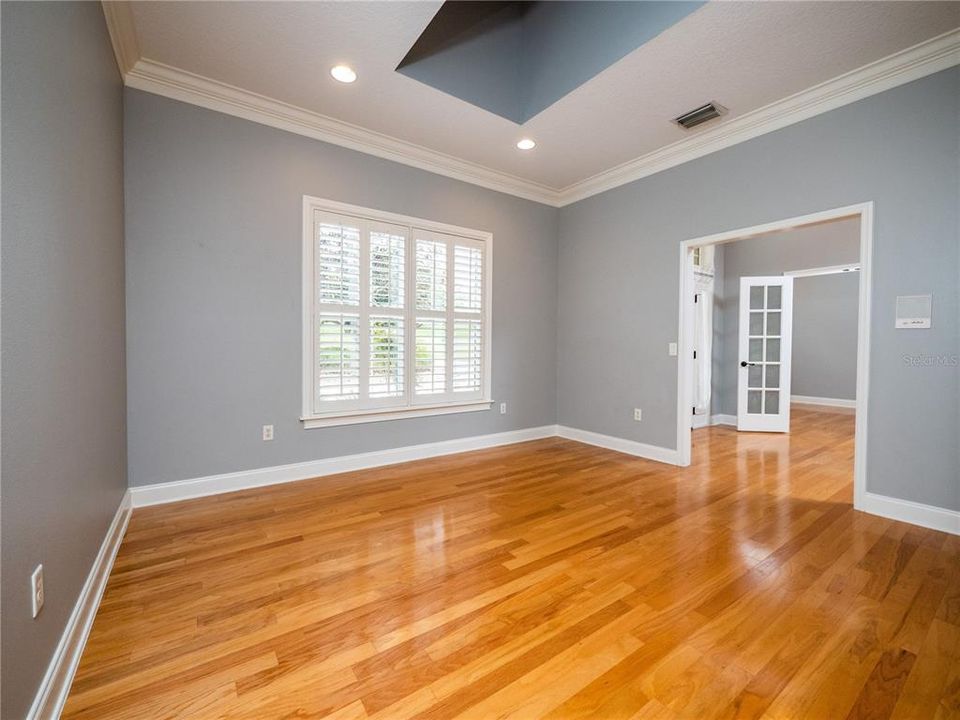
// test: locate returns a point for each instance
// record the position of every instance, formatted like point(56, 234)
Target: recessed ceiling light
point(343, 73)
point(526, 144)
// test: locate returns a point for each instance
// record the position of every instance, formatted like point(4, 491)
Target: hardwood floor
point(546, 579)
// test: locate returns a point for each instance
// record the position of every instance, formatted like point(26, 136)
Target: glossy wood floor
point(546, 579)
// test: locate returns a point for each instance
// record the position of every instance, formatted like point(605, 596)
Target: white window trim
point(311, 419)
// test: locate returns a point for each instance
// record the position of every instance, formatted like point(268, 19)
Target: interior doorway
point(745, 336)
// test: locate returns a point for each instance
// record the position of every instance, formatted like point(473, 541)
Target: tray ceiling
point(743, 55)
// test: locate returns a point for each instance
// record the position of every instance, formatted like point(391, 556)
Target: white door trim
point(863, 211)
point(829, 270)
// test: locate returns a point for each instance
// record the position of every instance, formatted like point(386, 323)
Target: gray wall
point(825, 336)
point(63, 446)
point(619, 273)
point(825, 309)
point(213, 291)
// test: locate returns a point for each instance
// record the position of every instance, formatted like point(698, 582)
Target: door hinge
point(694, 354)
point(696, 299)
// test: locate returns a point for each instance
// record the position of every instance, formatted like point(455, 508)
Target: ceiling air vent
point(700, 115)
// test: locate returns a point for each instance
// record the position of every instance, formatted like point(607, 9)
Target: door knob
point(744, 363)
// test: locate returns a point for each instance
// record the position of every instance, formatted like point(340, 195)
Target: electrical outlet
point(637, 414)
point(36, 590)
point(503, 408)
point(268, 432)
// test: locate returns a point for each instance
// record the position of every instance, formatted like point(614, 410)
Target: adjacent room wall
point(825, 308)
point(63, 444)
point(619, 273)
point(716, 355)
point(825, 319)
point(213, 291)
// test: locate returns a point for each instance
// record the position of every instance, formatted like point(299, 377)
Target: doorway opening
point(736, 364)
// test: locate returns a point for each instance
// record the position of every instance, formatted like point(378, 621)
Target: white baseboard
point(828, 402)
point(916, 513)
point(928, 516)
point(55, 686)
point(700, 421)
point(245, 479)
point(630, 447)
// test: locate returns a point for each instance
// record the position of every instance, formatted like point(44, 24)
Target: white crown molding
point(187, 87)
point(55, 686)
point(123, 34)
point(926, 58)
point(913, 63)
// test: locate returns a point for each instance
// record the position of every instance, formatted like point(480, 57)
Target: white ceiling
point(743, 55)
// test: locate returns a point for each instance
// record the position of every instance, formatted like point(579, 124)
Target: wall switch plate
point(503, 408)
point(36, 590)
point(637, 414)
point(268, 432)
point(672, 349)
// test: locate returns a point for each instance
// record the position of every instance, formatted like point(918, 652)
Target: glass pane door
point(765, 322)
point(763, 372)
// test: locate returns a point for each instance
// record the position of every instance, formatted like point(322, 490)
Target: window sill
point(355, 417)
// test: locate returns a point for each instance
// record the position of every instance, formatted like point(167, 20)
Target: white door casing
point(765, 346)
point(864, 213)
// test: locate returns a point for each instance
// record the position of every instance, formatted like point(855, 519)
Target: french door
point(765, 335)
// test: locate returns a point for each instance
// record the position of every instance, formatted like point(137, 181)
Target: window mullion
point(409, 318)
point(310, 260)
point(450, 316)
point(364, 311)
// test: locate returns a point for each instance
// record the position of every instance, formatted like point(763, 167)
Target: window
point(396, 316)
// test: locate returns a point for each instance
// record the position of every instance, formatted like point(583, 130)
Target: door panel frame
point(763, 422)
point(864, 212)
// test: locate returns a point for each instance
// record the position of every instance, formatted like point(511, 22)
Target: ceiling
point(742, 55)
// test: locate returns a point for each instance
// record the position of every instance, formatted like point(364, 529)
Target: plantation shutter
point(449, 318)
point(337, 316)
point(398, 319)
point(467, 335)
point(431, 376)
point(385, 326)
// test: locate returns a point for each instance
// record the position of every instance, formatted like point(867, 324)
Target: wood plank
point(545, 579)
